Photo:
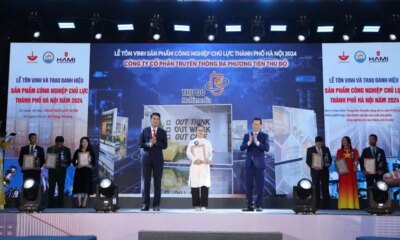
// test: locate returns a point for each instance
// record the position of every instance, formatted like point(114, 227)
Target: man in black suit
point(38, 153)
point(152, 141)
point(57, 175)
point(378, 154)
point(320, 175)
point(255, 144)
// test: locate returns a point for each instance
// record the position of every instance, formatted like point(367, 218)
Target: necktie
point(374, 151)
point(154, 132)
point(31, 150)
point(319, 151)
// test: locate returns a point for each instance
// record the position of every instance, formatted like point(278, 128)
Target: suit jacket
point(325, 153)
point(39, 156)
point(67, 156)
point(255, 153)
point(380, 155)
point(153, 154)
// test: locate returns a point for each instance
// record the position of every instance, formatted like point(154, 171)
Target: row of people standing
point(83, 177)
point(347, 184)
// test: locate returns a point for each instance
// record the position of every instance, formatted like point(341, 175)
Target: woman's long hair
point(89, 147)
point(348, 140)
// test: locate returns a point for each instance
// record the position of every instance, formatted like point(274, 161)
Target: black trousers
point(200, 197)
point(56, 176)
point(372, 178)
point(320, 180)
point(147, 171)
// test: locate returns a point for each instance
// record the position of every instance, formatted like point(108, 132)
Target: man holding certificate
point(373, 161)
point(200, 153)
point(319, 159)
point(31, 159)
point(152, 141)
point(57, 161)
point(256, 144)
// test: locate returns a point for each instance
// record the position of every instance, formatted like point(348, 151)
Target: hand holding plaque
point(369, 165)
point(51, 160)
point(341, 166)
point(317, 162)
point(28, 162)
point(199, 152)
point(83, 159)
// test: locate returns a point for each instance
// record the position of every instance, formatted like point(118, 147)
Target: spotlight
point(66, 25)
point(304, 197)
point(96, 28)
point(34, 24)
point(303, 28)
point(348, 28)
point(98, 36)
point(30, 198)
point(379, 199)
point(156, 27)
point(36, 34)
point(394, 27)
point(257, 29)
point(278, 28)
point(9, 174)
point(106, 196)
point(125, 27)
point(211, 28)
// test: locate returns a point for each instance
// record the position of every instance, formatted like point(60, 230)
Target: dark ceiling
point(15, 21)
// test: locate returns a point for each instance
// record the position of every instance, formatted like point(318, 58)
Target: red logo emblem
point(343, 57)
point(378, 53)
point(217, 83)
point(65, 54)
point(32, 57)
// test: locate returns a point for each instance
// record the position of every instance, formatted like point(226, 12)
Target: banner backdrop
point(137, 79)
point(222, 86)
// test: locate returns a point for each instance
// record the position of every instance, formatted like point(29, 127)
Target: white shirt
point(200, 174)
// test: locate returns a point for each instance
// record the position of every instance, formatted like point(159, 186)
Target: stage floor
point(126, 223)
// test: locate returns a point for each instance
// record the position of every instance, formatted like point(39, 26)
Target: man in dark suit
point(152, 141)
point(381, 166)
point(38, 153)
point(255, 144)
point(320, 175)
point(57, 175)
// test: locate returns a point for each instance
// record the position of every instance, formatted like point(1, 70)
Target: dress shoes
point(248, 209)
point(156, 208)
point(145, 208)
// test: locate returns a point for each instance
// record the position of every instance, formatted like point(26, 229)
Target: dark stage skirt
point(83, 181)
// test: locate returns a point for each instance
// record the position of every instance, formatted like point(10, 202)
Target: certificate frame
point(83, 159)
point(317, 162)
point(370, 165)
point(199, 152)
point(51, 160)
point(28, 162)
point(341, 166)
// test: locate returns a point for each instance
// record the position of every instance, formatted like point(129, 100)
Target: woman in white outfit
point(199, 176)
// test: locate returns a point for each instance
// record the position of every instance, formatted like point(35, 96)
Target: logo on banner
point(32, 58)
point(378, 58)
point(48, 57)
point(66, 59)
point(360, 56)
point(344, 58)
point(217, 83)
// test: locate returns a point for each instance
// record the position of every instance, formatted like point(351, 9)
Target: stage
point(126, 223)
